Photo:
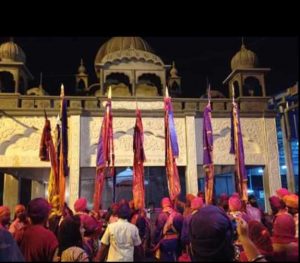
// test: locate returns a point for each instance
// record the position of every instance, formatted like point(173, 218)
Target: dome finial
point(41, 79)
point(173, 70)
point(243, 41)
point(11, 39)
point(81, 69)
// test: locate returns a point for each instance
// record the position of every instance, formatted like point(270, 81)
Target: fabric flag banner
point(208, 154)
point(48, 153)
point(237, 149)
point(105, 155)
point(171, 150)
point(63, 149)
point(138, 188)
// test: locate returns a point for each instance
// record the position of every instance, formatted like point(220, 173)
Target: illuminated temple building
point(136, 73)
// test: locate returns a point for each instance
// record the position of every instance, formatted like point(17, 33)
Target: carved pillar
point(74, 159)
point(37, 189)
point(191, 178)
point(17, 81)
point(10, 192)
point(101, 81)
point(285, 128)
point(271, 177)
point(133, 83)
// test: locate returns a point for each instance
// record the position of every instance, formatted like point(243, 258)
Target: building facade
point(138, 77)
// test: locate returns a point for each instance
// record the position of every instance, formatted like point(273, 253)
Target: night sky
point(196, 59)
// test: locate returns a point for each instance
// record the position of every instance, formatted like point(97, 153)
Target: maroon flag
point(138, 188)
point(172, 150)
point(48, 153)
point(208, 152)
point(105, 154)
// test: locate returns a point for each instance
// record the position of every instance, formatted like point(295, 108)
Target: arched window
point(80, 90)
point(115, 79)
point(252, 87)
point(7, 83)
point(151, 80)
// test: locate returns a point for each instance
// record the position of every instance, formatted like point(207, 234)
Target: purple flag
point(237, 149)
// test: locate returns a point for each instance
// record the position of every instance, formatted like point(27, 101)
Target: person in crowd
point(252, 209)
point(292, 203)
point(196, 204)
point(202, 195)
point(278, 207)
point(19, 224)
point(92, 230)
point(223, 202)
point(113, 216)
point(282, 192)
point(4, 217)
point(211, 235)
point(140, 220)
point(38, 243)
point(121, 239)
point(185, 207)
point(235, 208)
point(167, 232)
point(80, 206)
point(70, 247)
point(285, 244)
point(9, 250)
point(261, 238)
point(252, 253)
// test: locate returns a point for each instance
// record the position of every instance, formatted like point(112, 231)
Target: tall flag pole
point(138, 188)
point(105, 154)
point(208, 164)
point(63, 149)
point(48, 153)
point(111, 141)
point(237, 149)
point(171, 150)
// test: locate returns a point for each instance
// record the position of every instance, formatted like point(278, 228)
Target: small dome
point(10, 51)
point(245, 58)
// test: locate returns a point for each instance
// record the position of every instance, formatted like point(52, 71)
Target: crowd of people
point(228, 230)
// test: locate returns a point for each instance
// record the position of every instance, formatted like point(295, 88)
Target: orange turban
point(19, 208)
point(291, 200)
point(4, 210)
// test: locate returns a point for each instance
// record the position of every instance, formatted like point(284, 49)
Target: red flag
point(105, 155)
point(138, 188)
point(171, 150)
